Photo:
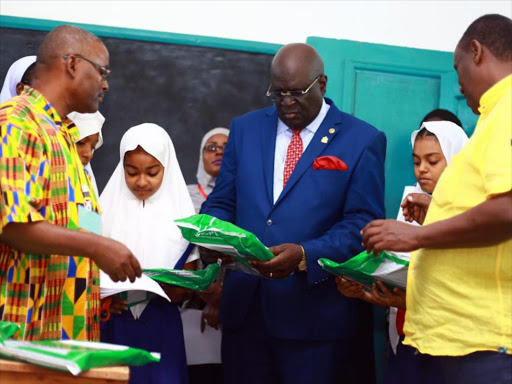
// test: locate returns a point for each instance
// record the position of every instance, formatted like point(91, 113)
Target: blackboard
point(183, 88)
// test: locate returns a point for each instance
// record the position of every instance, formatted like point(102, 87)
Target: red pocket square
point(329, 162)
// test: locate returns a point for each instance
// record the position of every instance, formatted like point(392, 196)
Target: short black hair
point(29, 75)
point(494, 31)
point(441, 114)
point(437, 114)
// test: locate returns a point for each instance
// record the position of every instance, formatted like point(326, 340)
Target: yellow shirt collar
point(494, 94)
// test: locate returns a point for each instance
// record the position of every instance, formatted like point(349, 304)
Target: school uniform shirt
point(41, 178)
point(459, 301)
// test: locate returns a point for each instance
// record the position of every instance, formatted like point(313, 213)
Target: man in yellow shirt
point(459, 290)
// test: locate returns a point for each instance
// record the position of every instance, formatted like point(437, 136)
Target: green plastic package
point(224, 237)
point(195, 280)
point(366, 268)
point(70, 355)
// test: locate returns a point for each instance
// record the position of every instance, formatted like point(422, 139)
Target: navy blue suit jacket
point(323, 210)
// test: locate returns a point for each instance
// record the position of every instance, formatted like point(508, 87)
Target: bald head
point(297, 58)
point(65, 40)
point(298, 68)
point(72, 69)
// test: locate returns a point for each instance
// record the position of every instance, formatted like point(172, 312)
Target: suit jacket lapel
point(315, 147)
point(268, 147)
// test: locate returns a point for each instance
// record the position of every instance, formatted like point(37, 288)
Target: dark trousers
point(409, 366)
point(251, 356)
point(484, 367)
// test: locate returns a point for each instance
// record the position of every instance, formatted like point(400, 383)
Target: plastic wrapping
point(70, 355)
point(224, 237)
point(366, 268)
point(195, 280)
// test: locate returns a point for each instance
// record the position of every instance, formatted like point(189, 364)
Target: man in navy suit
point(305, 178)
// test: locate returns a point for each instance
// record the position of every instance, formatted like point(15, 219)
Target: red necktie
point(293, 155)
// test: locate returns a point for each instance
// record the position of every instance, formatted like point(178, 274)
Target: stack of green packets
point(70, 355)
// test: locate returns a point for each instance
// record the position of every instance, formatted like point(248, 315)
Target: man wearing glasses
point(305, 178)
point(48, 207)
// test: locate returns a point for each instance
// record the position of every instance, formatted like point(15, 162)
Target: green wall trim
point(144, 35)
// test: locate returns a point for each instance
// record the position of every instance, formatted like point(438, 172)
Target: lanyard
point(202, 191)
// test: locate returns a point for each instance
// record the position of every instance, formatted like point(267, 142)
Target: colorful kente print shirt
point(41, 178)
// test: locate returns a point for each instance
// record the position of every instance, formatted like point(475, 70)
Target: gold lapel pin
point(332, 130)
point(325, 139)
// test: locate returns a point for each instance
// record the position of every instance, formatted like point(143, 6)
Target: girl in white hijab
point(210, 160)
point(144, 195)
point(17, 77)
point(89, 125)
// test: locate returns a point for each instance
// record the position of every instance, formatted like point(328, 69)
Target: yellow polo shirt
point(459, 301)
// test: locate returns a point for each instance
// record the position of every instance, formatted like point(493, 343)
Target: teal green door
point(392, 88)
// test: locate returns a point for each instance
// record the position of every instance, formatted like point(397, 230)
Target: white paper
point(201, 348)
point(143, 283)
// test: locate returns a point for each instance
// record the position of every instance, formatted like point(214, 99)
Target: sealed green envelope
point(70, 355)
point(366, 268)
point(195, 280)
point(224, 237)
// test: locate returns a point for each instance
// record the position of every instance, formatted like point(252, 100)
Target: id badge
point(89, 220)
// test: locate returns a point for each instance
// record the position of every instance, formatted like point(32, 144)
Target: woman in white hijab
point(89, 125)
point(142, 198)
point(210, 160)
point(20, 74)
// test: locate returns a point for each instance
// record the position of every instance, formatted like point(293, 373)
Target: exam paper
point(143, 283)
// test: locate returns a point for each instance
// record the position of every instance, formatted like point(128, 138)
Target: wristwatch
point(302, 265)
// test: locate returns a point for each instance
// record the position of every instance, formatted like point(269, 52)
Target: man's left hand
point(390, 235)
point(288, 257)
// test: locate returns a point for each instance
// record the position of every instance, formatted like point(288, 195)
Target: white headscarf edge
point(14, 76)
point(203, 178)
point(451, 137)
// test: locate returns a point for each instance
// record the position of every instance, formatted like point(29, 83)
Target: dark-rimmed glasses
point(280, 95)
point(213, 148)
point(104, 70)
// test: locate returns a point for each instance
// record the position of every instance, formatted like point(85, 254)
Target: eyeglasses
point(280, 95)
point(213, 148)
point(104, 70)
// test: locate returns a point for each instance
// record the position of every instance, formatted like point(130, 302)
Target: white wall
point(422, 24)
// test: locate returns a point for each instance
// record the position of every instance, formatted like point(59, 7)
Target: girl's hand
point(118, 305)
point(176, 294)
point(383, 297)
point(415, 207)
point(352, 289)
point(210, 316)
point(212, 294)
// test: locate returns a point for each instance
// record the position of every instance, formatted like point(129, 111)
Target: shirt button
point(269, 223)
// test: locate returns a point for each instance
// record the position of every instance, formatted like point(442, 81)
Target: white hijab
point(14, 76)
point(206, 180)
point(451, 137)
point(89, 124)
point(147, 229)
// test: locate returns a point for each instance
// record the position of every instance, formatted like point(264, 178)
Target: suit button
point(269, 223)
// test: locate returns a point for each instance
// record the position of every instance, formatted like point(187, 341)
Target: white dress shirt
point(283, 139)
